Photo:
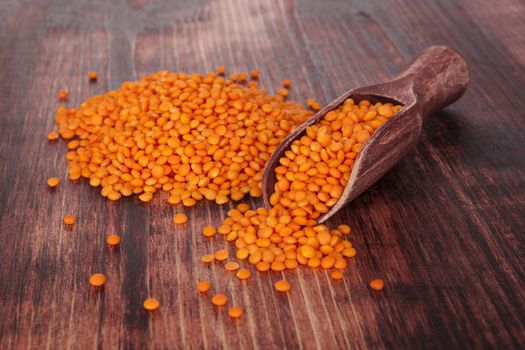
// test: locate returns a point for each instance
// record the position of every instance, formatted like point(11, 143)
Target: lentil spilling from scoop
point(311, 178)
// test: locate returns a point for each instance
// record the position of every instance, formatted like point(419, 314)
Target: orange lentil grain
point(53, 181)
point(62, 95)
point(235, 312)
point(219, 299)
point(52, 136)
point(263, 266)
point(113, 240)
point(377, 284)
point(283, 92)
point(69, 219)
point(97, 280)
point(203, 286)
point(243, 77)
point(243, 274)
point(209, 231)
point(231, 266)
point(282, 286)
point(92, 76)
point(208, 258)
point(221, 255)
point(286, 83)
point(180, 219)
point(151, 304)
point(344, 229)
point(337, 275)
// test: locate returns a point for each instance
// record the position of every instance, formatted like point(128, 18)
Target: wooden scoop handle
point(438, 77)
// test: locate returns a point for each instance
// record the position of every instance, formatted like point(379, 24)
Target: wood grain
point(444, 228)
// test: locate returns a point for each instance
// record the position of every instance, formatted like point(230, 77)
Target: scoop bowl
point(437, 77)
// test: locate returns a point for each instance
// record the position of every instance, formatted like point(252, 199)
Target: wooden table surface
point(444, 229)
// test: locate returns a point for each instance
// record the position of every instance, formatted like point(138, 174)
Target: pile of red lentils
point(209, 137)
point(193, 136)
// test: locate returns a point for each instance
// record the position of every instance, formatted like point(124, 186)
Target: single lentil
point(62, 95)
point(52, 136)
point(53, 181)
point(337, 275)
point(313, 104)
point(97, 280)
point(92, 76)
point(219, 299)
point(282, 286)
point(221, 255)
point(113, 240)
point(235, 312)
point(180, 219)
point(209, 231)
point(243, 274)
point(69, 219)
point(231, 266)
point(377, 284)
point(151, 304)
point(243, 77)
point(203, 286)
point(208, 258)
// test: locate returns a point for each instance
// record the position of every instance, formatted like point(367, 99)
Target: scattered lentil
point(53, 181)
point(221, 255)
point(209, 231)
point(180, 219)
point(377, 284)
point(97, 280)
point(235, 312)
point(62, 95)
point(203, 286)
point(219, 299)
point(151, 304)
point(231, 266)
point(52, 136)
point(243, 274)
point(69, 219)
point(337, 275)
point(113, 240)
point(282, 286)
point(286, 83)
point(207, 259)
point(92, 76)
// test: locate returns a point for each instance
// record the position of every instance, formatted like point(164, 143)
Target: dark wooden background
point(444, 229)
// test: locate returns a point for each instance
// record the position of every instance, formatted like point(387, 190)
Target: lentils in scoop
point(314, 171)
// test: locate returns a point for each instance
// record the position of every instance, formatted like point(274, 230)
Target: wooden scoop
point(436, 78)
